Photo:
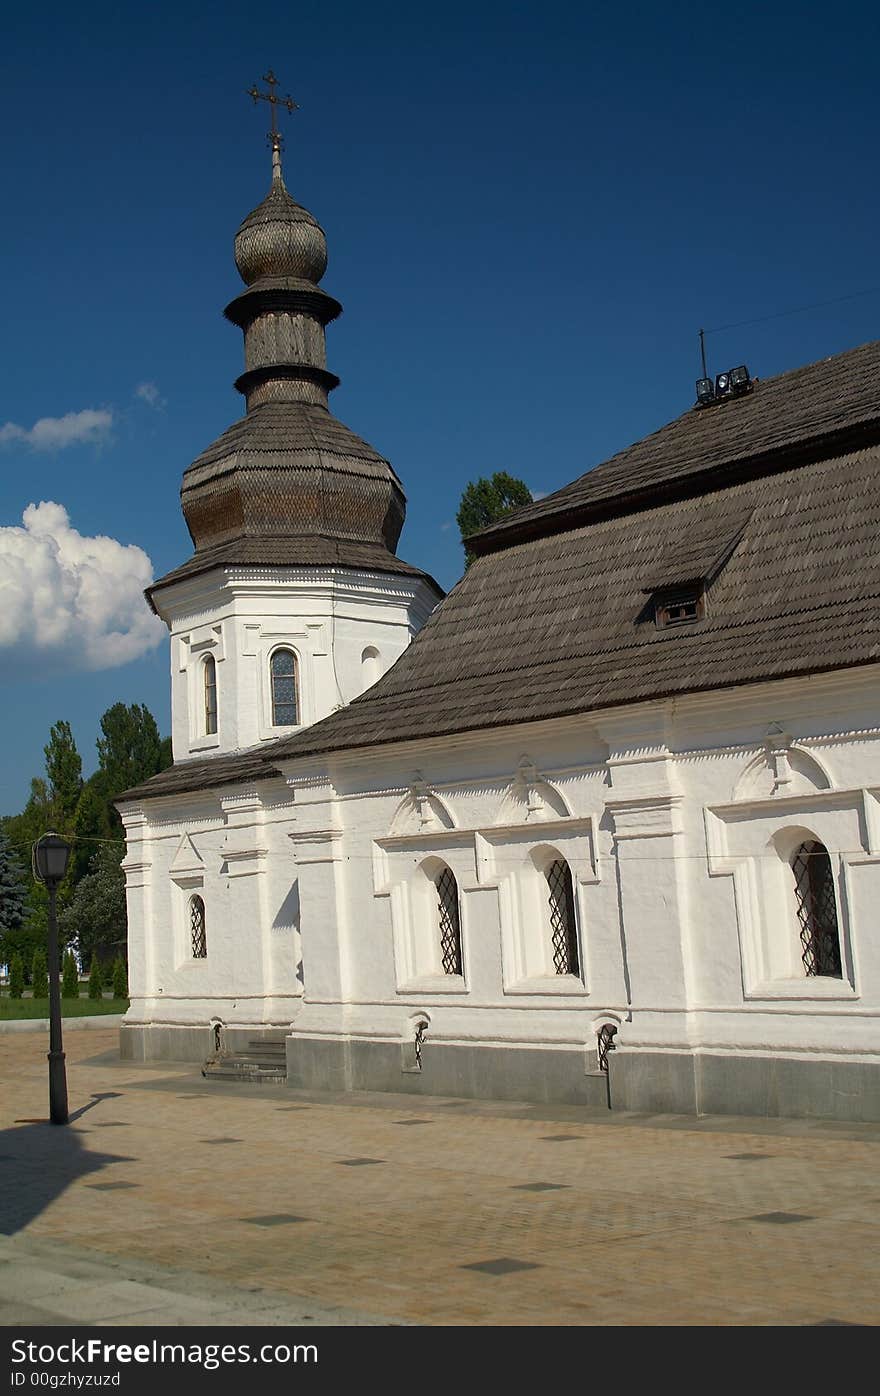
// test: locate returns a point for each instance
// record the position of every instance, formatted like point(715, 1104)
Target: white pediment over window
point(187, 858)
point(781, 768)
point(530, 798)
point(420, 811)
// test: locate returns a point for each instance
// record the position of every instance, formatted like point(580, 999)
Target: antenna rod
point(703, 352)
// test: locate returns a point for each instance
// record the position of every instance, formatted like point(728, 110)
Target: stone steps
point(264, 1061)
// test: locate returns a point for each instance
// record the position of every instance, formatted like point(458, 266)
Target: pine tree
point(13, 892)
point(16, 977)
point(120, 979)
point(70, 977)
point(40, 975)
point(485, 501)
point(96, 979)
point(64, 774)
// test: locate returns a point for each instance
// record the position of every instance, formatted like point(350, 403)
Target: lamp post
point(50, 858)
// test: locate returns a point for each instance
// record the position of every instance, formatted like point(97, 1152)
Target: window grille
point(197, 928)
point(605, 1044)
point(563, 927)
point(284, 697)
point(817, 910)
point(210, 695)
point(419, 1038)
point(450, 923)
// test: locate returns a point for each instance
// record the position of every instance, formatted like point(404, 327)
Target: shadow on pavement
point(39, 1161)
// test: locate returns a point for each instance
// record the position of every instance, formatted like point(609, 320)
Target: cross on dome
point(274, 136)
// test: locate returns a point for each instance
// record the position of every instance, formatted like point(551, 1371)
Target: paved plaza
point(169, 1201)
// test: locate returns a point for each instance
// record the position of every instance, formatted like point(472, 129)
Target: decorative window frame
point(751, 841)
point(188, 879)
point(488, 858)
point(404, 871)
point(281, 648)
point(514, 860)
point(307, 643)
point(199, 644)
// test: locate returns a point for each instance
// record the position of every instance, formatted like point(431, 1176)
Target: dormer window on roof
point(681, 607)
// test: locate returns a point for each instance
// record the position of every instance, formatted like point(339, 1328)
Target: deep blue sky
point(530, 208)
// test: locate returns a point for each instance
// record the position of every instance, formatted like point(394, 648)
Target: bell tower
point(294, 600)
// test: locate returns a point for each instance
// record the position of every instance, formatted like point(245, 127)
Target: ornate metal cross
point(276, 140)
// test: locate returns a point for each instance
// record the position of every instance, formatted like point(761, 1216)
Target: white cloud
point(69, 600)
point(149, 393)
point(54, 433)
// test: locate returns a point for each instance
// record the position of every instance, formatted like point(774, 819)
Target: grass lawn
point(70, 1008)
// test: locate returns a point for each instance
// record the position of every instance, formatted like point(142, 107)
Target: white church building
point(602, 825)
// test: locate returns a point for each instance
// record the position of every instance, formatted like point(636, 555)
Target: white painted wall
point(673, 816)
point(346, 629)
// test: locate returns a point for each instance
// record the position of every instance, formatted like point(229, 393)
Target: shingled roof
point(756, 497)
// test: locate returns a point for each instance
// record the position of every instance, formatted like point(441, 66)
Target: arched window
point(816, 909)
point(198, 937)
point(449, 921)
point(563, 926)
point(210, 677)
point(282, 668)
point(370, 666)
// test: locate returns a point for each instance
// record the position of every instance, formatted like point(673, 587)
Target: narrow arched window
point(284, 698)
point(210, 678)
point(370, 666)
point(563, 926)
point(816, 909)
point(449, 921)
point(198, 937)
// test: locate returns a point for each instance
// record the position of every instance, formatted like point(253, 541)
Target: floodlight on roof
point(740, 381)
point(705, 392)
point(722, 385)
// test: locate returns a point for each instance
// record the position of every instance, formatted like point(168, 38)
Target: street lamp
point(50, 858)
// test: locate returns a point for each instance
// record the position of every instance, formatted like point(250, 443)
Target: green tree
point(120, 979)
point(92, 823)
point(96, 979)
point(13, 896)
point(129, 748)
point(486, 500)
point(63, 774)
point(16, 977)
point(96, 916)
point(40, 975)
point(70, 977)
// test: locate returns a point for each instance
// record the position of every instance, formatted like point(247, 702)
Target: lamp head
point(50, 858)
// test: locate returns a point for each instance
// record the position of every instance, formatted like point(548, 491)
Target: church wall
point(671, 950)
point(345, 628)
point(677, 822)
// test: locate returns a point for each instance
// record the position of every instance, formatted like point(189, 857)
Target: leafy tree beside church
point(13, 899)
point(486, 500)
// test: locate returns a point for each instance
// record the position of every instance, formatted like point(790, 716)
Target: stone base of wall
point(479, 1071)
point(161, 1042)
point(704, 1083)
point(679, 1083)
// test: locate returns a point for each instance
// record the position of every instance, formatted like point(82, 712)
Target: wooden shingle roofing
point(552, 620)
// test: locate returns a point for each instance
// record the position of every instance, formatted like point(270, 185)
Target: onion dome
point(288, 483)
point(280, 238)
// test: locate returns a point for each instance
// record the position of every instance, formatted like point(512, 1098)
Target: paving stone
point(558, 1138)
point(538, 1187)
point(781, 1218)
point(748, 1158)
point(412, 1122)
point(274, 1219)
point(638, 1227)
point(503, 1266)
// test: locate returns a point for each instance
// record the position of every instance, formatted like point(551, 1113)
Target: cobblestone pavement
point(171, 1200)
